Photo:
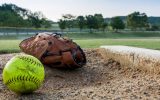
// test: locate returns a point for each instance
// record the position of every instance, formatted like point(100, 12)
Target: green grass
point(9, 46)
point(151, 40)
point(144, 43)
point(112, 35)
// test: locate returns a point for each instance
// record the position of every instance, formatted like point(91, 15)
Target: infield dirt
point(99, 79)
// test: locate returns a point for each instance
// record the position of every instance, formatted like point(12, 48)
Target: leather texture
point(54, 50)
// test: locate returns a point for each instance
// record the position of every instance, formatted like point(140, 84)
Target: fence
point(6, 31)
point(22, 31)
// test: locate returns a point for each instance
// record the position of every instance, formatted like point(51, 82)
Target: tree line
point(134, 21)
point(90, 21)
point(14, 16)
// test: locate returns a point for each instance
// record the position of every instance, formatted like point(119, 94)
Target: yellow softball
point(23, 74)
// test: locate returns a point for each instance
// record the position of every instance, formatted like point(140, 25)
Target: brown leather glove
point(54, 50)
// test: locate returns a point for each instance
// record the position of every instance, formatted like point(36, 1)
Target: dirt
point(99, 79)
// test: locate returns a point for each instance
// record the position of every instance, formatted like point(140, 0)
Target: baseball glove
point(54, 50)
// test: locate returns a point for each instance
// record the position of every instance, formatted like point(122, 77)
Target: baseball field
point(149, 40)
point(99, 79)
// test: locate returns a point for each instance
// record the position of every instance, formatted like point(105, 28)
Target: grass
point(9, 46)
point(112, 35)
point(144, 43)
point(151, 40)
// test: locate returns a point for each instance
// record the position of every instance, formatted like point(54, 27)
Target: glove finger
point(25, 43)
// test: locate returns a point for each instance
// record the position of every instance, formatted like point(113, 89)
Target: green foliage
point(81, 22)
point(14, 16)
point(95, 21)
point(98, 21)
point(151, 20)
point(38, 20)
point(91, 22)
point(117, 23)
point(46, 23)
point(137, 20)
point(62, 24)
point(104, 25)
point(69, 19)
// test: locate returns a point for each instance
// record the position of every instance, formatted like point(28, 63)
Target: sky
point(54, 9)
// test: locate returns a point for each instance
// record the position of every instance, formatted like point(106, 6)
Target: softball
point(23, 74)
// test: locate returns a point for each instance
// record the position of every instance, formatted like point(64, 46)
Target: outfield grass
point(150, 40)
point(9, 46)
point(144, 43)
point(113, 35)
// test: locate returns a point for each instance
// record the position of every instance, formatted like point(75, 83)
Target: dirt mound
point(98, 79)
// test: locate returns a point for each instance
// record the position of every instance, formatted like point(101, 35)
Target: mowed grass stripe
point(144, 43)
point(9, 46)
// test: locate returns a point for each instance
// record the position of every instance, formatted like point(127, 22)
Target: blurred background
point(90, 23)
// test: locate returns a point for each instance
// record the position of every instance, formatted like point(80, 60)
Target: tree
point(117, 23)
point(14, 16)
point(137, 20)
point(36, 19)
point(69, 20)
point(15, 9)
point(46, 23)
point(99, 21)
point(91, 22)
point(9, 16)
point(81, 22)
point(62, 24)
point(104, 25)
